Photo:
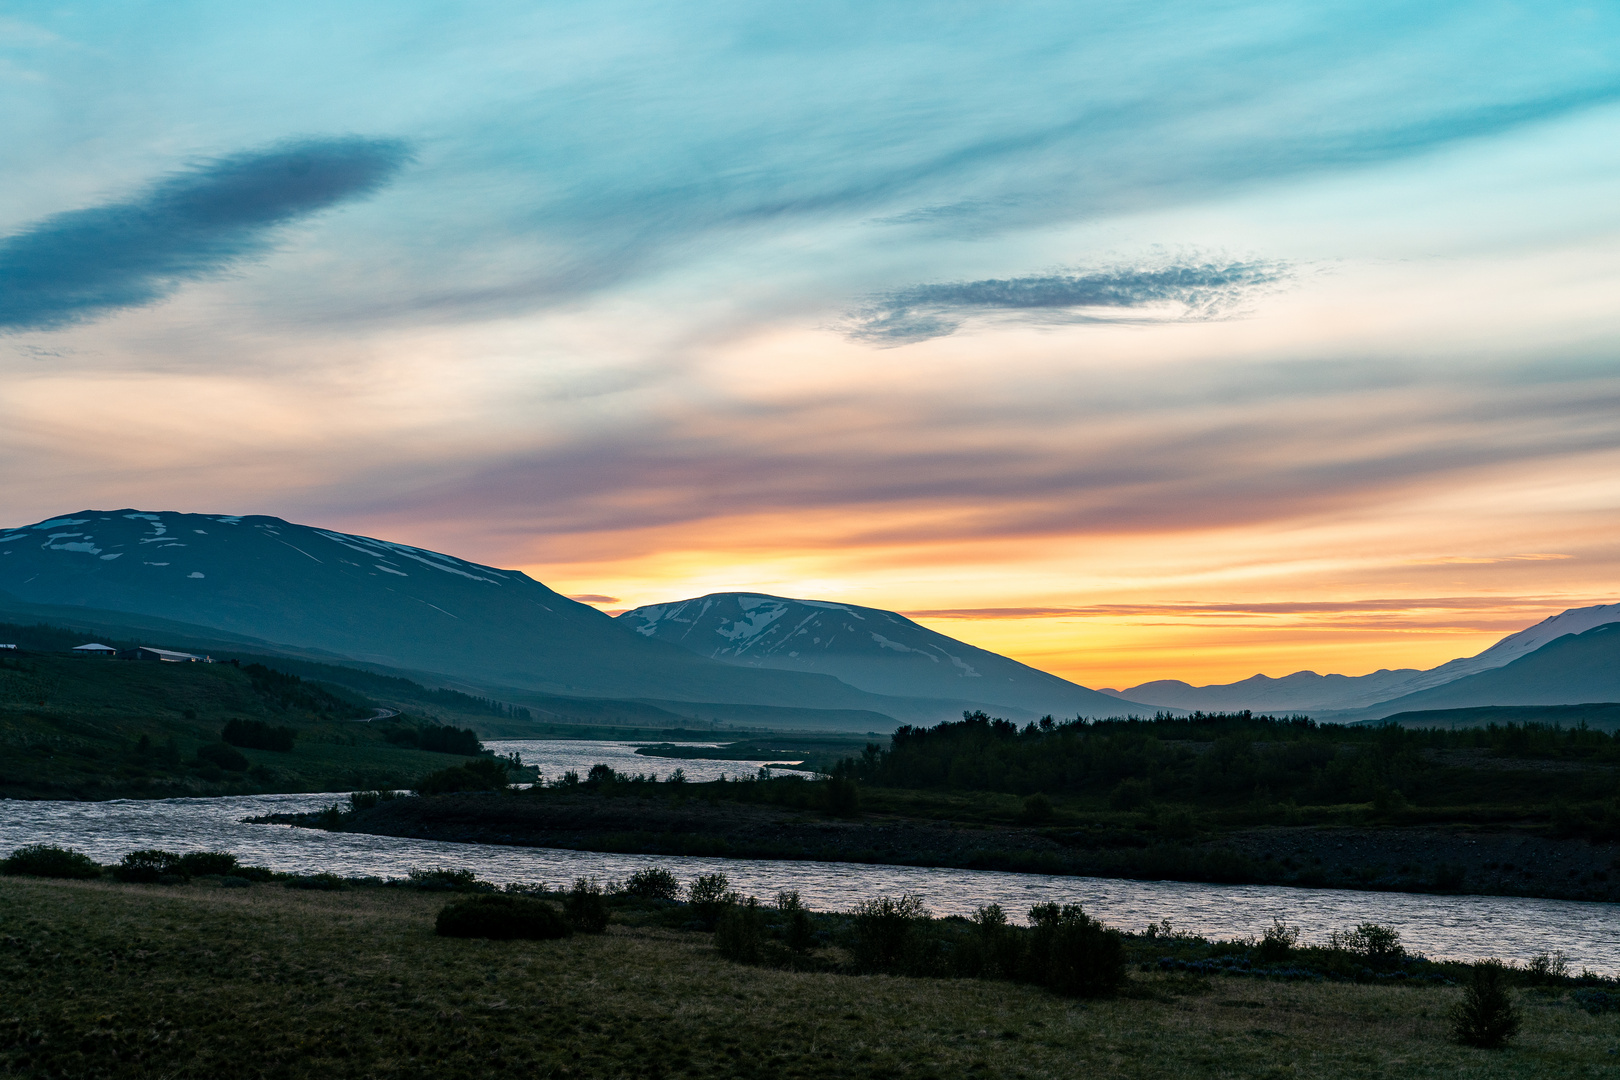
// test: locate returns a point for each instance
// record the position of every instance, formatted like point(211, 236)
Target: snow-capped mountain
point(1307, 691)
point(385, 603)
point(875, 650)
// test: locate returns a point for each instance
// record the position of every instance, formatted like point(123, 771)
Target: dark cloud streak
point(189, 226)
point(1202, 291)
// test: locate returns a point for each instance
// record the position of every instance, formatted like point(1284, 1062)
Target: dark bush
point(586, 907)
point(1037, 809)
point(601, 774)
point(204, 863)
point(1130, 795)
point(485, 774)
point(319, 882)
point(799, 933)
point(740, 933)
point(1071, 953)
point(1485, 1016)
point(841, 796)
point(149, 866)
point(254, 873)
point(442, 880)
point(884, 931)
point(708, 896)
point(996, 949)
point(223, 755)
point(365, 800)
point(449, 740)
point(502, 917)
point(652, 883)
point(47, 860)
point(1278, 943)
point(1379, 946)
point(258, 735)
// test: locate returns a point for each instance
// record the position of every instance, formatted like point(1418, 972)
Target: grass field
point(106, 980)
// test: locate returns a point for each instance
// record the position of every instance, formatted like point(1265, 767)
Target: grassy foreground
point(99, 979)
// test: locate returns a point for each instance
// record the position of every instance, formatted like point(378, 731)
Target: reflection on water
point(1454, 927)
point(557, 756)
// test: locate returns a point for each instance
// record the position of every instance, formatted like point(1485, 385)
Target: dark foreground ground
point(106, 980)
point(1489, 860)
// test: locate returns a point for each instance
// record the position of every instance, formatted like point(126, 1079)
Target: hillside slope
point(879, 651)
point(385, 603)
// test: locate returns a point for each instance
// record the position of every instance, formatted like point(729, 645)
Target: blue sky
point(926, 306)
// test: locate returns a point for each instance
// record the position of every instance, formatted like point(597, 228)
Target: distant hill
point(267, 582)
point(1599, 716)
point(1306, 691)
point(1571, 670)
point(875, 650)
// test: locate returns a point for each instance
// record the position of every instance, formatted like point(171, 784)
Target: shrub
point(258, 735)
point(1485, 1016)
point(884, 931)
point(996, 948)
point(320, 882)
point(223, 755)
point(1037, 808)
point(740, 934)
point(799, 935)
point(1071, 953)
point(50, 861)
point(652, 883)
point(1130, 795)
point(365, 800)
point(1548, 967)
point(485, 774)
point(502, 917)
point(841, 796)
point(441, 880)
point(601, 774)
point(1277, 943)
point(205, 863)
point(449, 740)
point(709, 894)
point(586, 907)
point(1380, 946)
point(149, 866)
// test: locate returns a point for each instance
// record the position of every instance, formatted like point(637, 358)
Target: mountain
point(1570, 670)
point(1306, 691)
point(874, 650)
point(342, 595)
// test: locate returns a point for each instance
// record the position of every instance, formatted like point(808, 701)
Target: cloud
point(189, 226)
point(1406, 605)
point(594, 598)
point(1199, 290)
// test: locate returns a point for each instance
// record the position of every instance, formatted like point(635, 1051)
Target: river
point(1442, 927)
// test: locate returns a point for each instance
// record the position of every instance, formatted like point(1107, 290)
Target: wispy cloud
point(1408, 605)
point(1177, 291)
point(192, 225)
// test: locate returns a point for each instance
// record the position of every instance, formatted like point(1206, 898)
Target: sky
point(1184, 340)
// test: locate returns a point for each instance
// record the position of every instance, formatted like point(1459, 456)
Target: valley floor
point(106, 980)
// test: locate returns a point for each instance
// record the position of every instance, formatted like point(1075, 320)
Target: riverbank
point(106, 980)
point(1502, 861)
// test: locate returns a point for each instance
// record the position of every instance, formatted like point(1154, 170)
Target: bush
point(50, 861)
point(205, 863)
point(708, 895)
point(1071, 953)
point(149, 866)
point(1485, 1016)
point(841, 796)
point(449, 740)
point(586, 907)
point(740, 934)
point(441, 880)
point(502, 917)
point(995, 949)
point(485, 774)
point(1380, 946)
point(800, 933)
point(601, 774)
point(320, 882)
point(1130, 795)
point(365, 800)
point(1278, 943)
point(1037, 809)
point(652, 883)
point(223, 755)
point(258, 735)
point(884, 932)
